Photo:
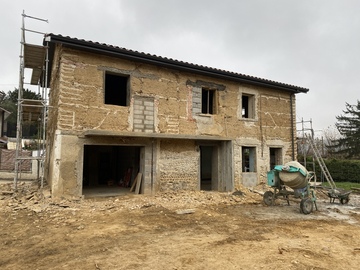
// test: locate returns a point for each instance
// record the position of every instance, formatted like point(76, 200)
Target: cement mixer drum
point(293, 174)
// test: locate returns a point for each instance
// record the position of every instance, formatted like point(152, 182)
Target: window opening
point(275, 157)
point(248, 159)
point(207, 102)
point(116, 89)
point(248, 105)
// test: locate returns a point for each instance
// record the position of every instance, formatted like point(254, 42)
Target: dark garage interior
point(110, 166)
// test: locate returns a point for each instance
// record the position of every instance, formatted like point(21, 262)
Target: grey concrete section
point(196, 100)
point(249, 179)
point(143, 114)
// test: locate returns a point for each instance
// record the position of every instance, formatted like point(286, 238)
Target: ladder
point(321, 162)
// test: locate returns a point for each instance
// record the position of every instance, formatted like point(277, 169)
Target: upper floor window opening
point(248, 106)
point(208, 101)
point(117, 89)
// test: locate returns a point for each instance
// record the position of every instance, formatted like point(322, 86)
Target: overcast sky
point(309, 43)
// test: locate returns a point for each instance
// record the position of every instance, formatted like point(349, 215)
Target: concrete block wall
point(143, 114)
point(196, 100)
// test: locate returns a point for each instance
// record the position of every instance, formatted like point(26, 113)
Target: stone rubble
point(30, 196)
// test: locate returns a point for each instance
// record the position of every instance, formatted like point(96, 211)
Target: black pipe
point(292, 128)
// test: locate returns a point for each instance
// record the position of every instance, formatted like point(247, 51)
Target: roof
point(123, 53)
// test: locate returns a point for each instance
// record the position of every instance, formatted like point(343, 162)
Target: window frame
point(248, 102)
point(211, 101)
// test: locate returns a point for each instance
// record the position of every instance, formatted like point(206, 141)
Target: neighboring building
point(183, 126)
point(4, 114)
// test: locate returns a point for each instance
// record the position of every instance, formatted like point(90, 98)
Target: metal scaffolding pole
point(19, 107)
point(36, 58)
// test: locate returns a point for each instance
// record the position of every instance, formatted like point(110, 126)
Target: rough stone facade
point(164, 122)
point(178, 165)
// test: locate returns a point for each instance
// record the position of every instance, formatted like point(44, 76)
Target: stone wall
point(174, 99)
point(162, 101)
point(178, 165)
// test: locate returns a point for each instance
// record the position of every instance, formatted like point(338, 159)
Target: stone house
point(183, 126)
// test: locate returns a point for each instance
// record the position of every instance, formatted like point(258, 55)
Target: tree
point(9, 103)
point(330, 136)
point(348, 126)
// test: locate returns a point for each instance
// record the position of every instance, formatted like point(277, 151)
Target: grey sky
point(308, 43)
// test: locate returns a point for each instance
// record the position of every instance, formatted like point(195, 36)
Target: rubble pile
point(30, 196)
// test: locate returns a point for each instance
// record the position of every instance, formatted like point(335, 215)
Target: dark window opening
point(116, 90)
point(248, 106)
point(275, 157)
point(207, 101)
point(248, 159)
point(245, 106)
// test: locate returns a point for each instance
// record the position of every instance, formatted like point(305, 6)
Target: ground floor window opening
point(248, 159)
point(110, 169)
point(275, 157)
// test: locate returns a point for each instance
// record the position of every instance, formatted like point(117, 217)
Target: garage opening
point(109, 169)
point(208, 168)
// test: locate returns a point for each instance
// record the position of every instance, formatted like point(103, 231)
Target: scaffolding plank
point(35, 77)
point(32, 110)
point(34, 56)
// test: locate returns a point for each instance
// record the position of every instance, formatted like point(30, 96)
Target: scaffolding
point(34, 57)
point(307, 141)
point(306, 126)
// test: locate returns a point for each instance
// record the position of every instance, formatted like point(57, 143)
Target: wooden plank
point(185, 211)
point(134, 183)
point(138, 183)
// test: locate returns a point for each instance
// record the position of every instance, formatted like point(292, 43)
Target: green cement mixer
point(294, 176)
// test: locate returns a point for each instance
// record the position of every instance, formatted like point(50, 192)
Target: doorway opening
point(110, 169)
point(208, 168)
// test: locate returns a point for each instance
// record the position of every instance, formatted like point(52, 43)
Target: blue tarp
point(290, 169)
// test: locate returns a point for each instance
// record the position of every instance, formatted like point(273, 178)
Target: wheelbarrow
point(339, 194)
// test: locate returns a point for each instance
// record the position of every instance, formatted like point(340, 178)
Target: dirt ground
point(184, 230)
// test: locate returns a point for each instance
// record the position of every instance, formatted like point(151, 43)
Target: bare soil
point(184, 230)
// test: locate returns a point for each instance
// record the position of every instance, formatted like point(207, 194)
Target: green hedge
point(340, 170)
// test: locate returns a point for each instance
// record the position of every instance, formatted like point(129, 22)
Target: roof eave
point(169, 63)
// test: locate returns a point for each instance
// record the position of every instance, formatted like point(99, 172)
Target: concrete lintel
point(111, 133)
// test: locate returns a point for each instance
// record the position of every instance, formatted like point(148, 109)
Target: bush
point(341, 170)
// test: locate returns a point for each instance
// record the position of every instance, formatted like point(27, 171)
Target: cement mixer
point(294, 176)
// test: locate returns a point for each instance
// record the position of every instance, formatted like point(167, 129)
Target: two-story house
point(183, 126)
